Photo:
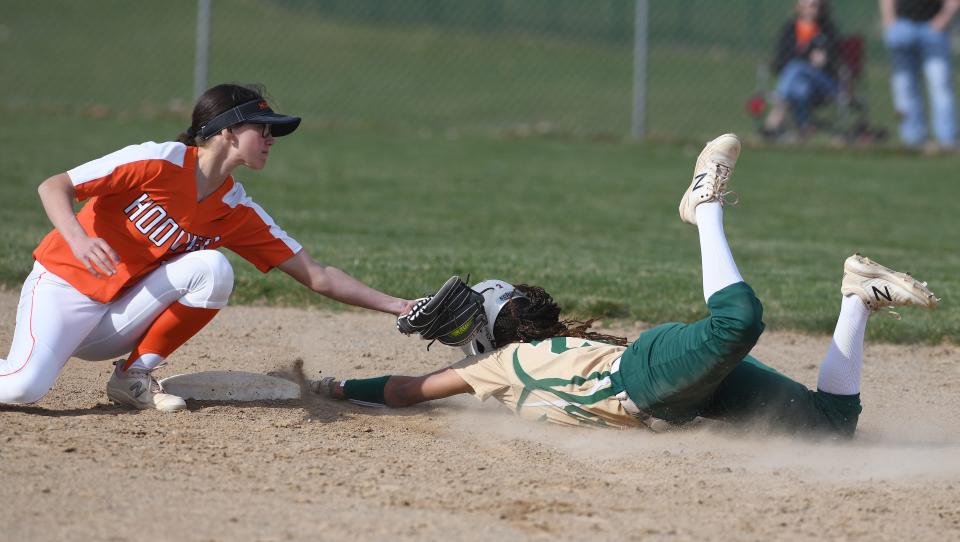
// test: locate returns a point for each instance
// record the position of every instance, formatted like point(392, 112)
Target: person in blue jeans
point(805, 62)
point(915, 33)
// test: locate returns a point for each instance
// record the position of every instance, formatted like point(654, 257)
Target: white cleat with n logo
point(138, 388)
point(881, 287)
point(710, 176)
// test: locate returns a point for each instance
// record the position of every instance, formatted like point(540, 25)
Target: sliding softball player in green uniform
point(548, 369)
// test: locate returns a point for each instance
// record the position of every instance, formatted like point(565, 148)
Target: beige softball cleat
point(710, 176)
point(141, 390)
point(880, 287)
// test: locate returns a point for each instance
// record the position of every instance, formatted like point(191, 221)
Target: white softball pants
point(56, 322)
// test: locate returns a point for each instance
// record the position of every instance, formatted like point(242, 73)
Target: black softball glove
point(452, 316)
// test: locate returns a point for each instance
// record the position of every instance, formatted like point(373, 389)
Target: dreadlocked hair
point(536, 317)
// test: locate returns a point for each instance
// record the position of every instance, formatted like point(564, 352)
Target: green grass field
point(406, 77)
point(595, 222)
point(427, 152)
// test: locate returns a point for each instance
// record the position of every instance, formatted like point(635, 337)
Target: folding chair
point(844, 116)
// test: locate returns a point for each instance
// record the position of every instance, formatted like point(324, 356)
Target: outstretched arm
point(402, 391)
point(337, 285)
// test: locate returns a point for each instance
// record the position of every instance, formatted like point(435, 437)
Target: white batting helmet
point(495, 294)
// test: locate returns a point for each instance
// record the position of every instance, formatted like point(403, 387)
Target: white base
point(230, 386)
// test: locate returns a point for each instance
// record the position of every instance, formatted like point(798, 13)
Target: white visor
point(495, 293)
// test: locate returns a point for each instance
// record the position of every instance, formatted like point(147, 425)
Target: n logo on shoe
point(137, 389)
point(699, 180)
point(877, 294)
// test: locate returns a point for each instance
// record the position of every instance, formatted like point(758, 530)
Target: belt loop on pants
point(624, 399)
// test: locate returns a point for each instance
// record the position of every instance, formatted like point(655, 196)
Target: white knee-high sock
point(719, 269)
point(840, 370)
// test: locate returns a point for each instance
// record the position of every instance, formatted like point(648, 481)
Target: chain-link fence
point(521, 67)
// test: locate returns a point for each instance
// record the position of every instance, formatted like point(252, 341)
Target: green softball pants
point(677, 372)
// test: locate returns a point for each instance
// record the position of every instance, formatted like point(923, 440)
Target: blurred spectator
point(915, 32)
point(805, 62)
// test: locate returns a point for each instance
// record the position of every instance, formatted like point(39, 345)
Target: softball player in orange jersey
point(135, 273)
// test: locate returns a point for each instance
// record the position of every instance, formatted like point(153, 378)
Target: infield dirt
point(75, 467)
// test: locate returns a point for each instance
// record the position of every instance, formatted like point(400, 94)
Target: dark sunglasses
point(265, 130)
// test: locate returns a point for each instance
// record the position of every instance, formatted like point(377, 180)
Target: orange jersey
point(143, 203)
point(806, 31)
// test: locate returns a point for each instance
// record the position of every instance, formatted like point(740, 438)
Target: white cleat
point(141, 390)
point(710, 176)
point(880, 287)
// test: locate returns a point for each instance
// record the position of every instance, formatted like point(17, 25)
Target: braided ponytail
point(536, 317)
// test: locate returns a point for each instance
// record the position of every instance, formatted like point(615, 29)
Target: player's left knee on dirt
point(23, 391)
